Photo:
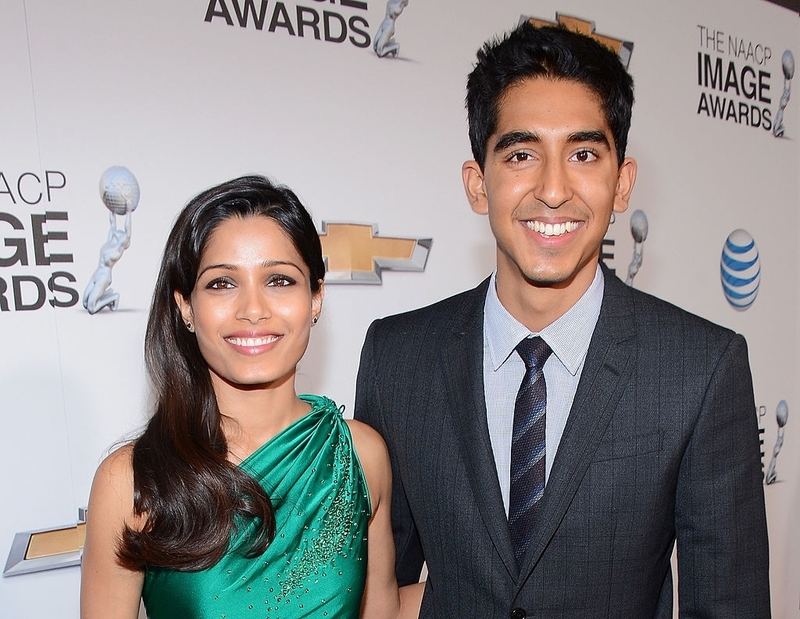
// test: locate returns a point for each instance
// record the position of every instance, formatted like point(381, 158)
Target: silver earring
point(613, 217)
point(189, 326)
point(315, 319)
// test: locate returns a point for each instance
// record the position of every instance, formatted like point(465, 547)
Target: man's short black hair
point(554, 53)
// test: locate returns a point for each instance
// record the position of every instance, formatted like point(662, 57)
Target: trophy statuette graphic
point(787, 63)
point(639, 233)
point(781, 416)
point(385, 44)
point(119, 191)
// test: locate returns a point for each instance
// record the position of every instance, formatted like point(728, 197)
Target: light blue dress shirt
point(503, 370)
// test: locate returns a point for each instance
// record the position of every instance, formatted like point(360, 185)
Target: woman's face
point(252, 307)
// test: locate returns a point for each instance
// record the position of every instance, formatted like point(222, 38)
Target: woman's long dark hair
point(191, 496)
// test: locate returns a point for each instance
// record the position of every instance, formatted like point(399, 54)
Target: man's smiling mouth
point(551, 229)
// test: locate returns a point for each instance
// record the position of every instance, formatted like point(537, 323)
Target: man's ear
point(626, 179)
point(472, 175)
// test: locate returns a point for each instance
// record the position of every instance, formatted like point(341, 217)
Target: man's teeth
point(252, 341)
point(551, 229)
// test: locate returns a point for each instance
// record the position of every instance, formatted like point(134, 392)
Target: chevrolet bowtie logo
point(47, 549)
point(623, 49)
point(354, 254)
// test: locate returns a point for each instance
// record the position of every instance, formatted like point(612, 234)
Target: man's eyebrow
point(595, 136)
point(515, 137)
point(512, 138)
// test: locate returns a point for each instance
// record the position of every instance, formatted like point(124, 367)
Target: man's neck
point(537, 305)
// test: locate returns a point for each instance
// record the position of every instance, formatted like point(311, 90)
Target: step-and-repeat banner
point(113, 114)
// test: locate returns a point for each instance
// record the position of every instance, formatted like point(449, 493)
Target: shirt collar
point(568, 336)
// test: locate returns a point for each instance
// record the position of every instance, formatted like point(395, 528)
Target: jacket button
point(518, 613)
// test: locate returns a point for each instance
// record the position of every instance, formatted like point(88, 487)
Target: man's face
point(549, 185)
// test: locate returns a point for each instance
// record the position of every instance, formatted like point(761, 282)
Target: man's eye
point(584, 155)
point(519, 157)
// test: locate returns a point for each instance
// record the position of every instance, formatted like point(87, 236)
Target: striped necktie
point(528, 445)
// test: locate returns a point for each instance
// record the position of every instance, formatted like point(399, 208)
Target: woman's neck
point(251, 416)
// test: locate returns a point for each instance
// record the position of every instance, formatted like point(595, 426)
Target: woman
point(241, 499)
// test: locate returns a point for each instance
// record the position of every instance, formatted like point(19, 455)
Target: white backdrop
point(185, 103)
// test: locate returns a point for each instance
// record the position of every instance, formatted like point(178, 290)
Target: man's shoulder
point(655, 313)
point(459, 308)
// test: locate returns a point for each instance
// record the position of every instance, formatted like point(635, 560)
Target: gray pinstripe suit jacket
point(661, 444)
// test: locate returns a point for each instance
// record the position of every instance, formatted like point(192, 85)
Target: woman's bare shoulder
point(374, 457)
point(369, 444)
point(112, 488)
point(117, 467)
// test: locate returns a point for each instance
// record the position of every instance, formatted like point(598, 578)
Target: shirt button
point(518, 613)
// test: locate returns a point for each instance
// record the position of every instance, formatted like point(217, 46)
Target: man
point(650, 433)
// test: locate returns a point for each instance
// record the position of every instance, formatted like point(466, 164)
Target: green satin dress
point(316, 565)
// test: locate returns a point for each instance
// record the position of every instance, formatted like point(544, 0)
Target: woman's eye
point(221, 283)
point(280, 280)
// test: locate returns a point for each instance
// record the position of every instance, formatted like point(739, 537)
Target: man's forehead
point(524, 90)
point(517, 108)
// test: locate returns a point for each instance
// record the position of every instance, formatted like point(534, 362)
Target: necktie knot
point(534, 351)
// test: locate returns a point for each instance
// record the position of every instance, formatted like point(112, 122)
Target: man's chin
point(546, 279)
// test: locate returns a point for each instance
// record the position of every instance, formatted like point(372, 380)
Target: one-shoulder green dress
point(316, 565)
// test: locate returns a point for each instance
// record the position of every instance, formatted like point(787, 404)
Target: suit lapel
point(606, 372)
point(462, 363)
